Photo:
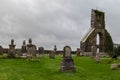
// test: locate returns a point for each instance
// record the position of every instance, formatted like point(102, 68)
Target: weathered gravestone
point(41, 51)
point(52, 54)
point(31, 50)
point(11, 51)
point(24, 50)
point(67, 63)
point(93, 50)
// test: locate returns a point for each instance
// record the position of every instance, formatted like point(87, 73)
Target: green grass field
point(48, 69)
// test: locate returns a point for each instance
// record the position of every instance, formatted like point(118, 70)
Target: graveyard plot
point(49, 69)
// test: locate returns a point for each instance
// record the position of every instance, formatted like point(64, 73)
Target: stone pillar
point(11, 51)
point(31, 50)
point(23, 48)
point(93, 50)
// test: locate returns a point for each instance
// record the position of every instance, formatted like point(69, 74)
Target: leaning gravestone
point(41, 51)
point(31, 50)
point(11, 51)
point(67, 63)
point(52, 54)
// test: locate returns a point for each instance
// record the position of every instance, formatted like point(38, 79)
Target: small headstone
point(67, 63)
point(11, 51)
point(31, 50)
point(41, 51)
point(52, 55)
point(93, 50)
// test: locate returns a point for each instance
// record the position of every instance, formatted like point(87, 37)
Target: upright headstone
point(52, 54)
point(93, 50)
point(67, 63)
point(41, 51)
point(24, 50)
point(31, 50)
point(11, 52)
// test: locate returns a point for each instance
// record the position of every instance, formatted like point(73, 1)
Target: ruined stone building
point(97, 28)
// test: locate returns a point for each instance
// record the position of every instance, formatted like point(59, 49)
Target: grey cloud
point(53, 22)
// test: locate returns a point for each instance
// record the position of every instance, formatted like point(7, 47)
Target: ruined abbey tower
point(97, 28)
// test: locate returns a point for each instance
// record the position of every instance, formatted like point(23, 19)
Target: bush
point(4, 56)
point(17, 56)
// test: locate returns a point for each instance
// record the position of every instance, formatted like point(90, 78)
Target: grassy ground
point(48, 69)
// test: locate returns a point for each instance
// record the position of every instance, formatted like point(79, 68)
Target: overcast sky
point(54, 22)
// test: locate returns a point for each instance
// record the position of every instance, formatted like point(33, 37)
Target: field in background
point(48, 69)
